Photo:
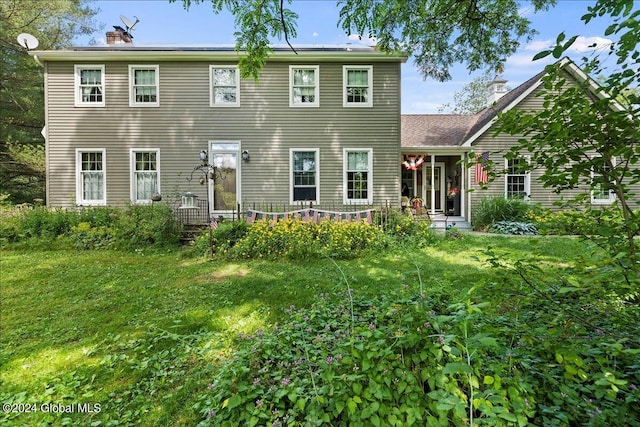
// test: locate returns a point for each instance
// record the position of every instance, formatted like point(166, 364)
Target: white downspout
point(463, 184)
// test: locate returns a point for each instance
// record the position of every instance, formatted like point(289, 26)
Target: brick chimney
point(118, 37)
point(496, 89)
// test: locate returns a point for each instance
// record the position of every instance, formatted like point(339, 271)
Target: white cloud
point(315, 34)
point(588, 44)
point(539, 45)
point(366, 40)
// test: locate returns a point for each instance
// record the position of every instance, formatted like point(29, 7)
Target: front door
point(224, 188)
point(434, 182)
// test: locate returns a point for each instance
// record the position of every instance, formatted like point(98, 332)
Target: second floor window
point(89, 87)
point(358, 86)
point(225, 86)
point(143, 86)
point(304, 86)
point(144, 175)
point(517, 179)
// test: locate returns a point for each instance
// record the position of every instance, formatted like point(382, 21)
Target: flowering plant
point(452, 192)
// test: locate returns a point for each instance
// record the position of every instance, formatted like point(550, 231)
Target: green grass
point(139, 334)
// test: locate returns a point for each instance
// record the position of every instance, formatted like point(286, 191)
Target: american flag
point(214, 223)
point(482, 170)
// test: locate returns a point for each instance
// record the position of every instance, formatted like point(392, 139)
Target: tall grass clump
point(495, 209)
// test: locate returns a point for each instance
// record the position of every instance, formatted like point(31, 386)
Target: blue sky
point(162, 22)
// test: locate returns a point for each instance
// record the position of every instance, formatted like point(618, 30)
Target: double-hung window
point(304, 86)
point(145, 174)
point(144, 86)
point(224, 86)
point(517, 179)
point(90, 177)
point(304, 175)
point(89, 85)
point(601, 190)
point(358, 176)
point(358, 86)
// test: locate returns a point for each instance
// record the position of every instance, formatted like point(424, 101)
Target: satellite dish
point(127, 22)
point(28, 41)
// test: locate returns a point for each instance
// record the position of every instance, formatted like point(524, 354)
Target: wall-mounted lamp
point(245, 155)
point(203, 156)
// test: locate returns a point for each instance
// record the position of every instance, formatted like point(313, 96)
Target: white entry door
point(224, 188)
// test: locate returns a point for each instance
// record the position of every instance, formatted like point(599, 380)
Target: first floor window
point(517, 179)
point(304, 175)
point(145, 175)
point(89, 87)
point(358, 176)
point(601, 189)
point(143, 86)
point(90, 177)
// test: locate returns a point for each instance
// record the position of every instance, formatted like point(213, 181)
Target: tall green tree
point(592, 141)
point(54, 23)
point(437, 33)
point(471, 98)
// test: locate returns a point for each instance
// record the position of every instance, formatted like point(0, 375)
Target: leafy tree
point(437, 33)
point(54, 23)
point(591, 141)
point(471, 98)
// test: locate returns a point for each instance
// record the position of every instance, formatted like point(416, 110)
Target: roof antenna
point(128, 24)
point(28, 41)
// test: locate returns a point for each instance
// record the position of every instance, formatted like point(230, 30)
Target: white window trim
point(132, 172)
point(345, 69)
point(369, 199)
point(317, 154)
point(212, 102)
point(132, 94)
point(612, 194)
point(527, 179)
point(79, 194)
point(78, 93)
point(316, 69)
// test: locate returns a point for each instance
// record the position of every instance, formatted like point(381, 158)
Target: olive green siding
point(498, 145)
point(264, 124)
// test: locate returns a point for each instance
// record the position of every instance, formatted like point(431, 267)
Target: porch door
point(437, 185)
point(224, 188)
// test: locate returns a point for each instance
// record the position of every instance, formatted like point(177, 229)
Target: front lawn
point(111, 338)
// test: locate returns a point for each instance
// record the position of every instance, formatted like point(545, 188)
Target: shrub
point(223, 238)
point(296, 239)
point(513, 227)
point(84, 236)
point(147, 225)
point(494, 209)
point(403, 359)
point(404, 228)
point(575, 222)
point(93, 228)
point(394, 360)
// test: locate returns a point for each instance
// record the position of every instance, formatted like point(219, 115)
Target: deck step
point(441, 222)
